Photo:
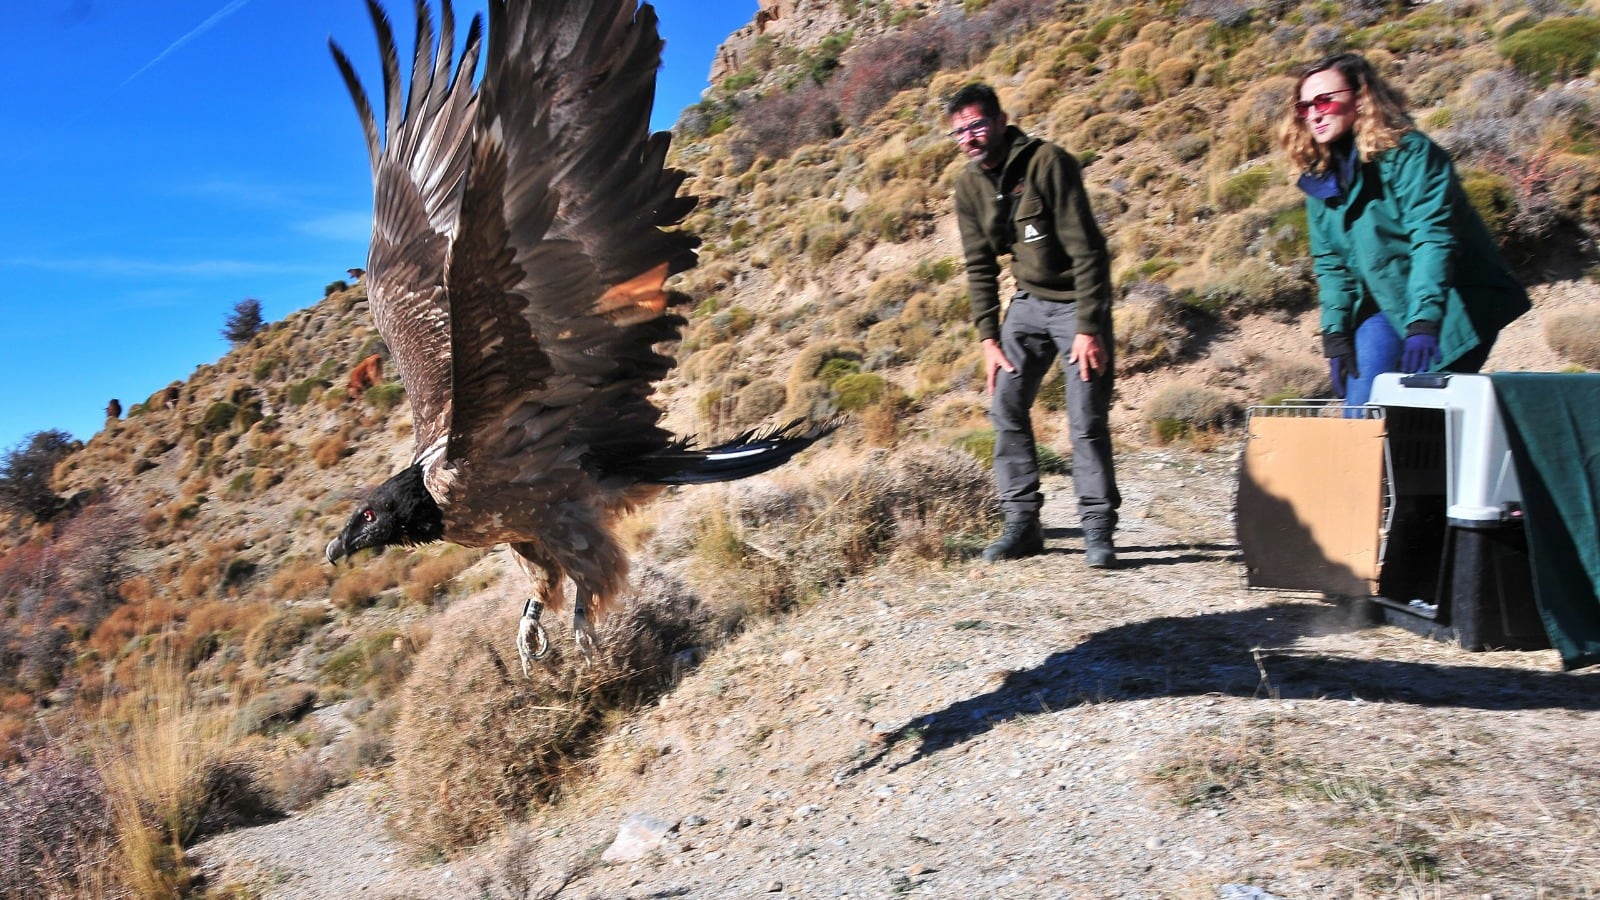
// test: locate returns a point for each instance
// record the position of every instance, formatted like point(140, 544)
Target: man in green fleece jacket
point(1025, 196)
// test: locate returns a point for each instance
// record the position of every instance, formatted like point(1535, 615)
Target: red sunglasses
point(1321, 103)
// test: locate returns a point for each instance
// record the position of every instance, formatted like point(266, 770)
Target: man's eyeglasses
point(977, 126)
point(1321, 103)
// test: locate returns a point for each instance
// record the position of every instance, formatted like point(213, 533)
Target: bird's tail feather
point(748, 454)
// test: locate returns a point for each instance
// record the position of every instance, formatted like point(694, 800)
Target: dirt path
point(1038, 729)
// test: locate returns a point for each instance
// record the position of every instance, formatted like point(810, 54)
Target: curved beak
point(335, 550)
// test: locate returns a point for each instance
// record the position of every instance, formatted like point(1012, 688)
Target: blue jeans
point(1377, 351)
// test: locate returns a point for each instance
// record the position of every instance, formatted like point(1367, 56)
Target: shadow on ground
point(1069, 541)
point(1231, 654)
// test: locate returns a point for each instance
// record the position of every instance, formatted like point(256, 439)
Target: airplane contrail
point(198, 30)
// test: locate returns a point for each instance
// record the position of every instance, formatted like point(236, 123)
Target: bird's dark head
point(400, 511)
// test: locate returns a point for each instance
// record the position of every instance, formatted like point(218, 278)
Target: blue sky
point(162, 161)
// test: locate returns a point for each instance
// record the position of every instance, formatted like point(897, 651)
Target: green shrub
point(374, 658)
point(1243, 189)
point(334, 287)
point(218, 417)
point(937, 271)
point(1493, 197)
point(301, 391)
point(859, 390)
point(979, 444)
point(837, 368)
point(1555, 49)
point(1291, 233)
point(385, 396)
point(264, 367)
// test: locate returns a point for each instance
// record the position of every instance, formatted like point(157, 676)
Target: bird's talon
point(532, 642)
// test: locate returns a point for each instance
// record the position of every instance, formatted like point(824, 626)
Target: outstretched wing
point(419, 167)
point(556, 274)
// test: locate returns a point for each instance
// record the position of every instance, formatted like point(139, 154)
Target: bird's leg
point(532, 643)
point(582, 628)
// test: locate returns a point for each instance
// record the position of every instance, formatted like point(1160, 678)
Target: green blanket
point(1553, 423)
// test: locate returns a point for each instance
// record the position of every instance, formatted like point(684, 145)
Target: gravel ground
point(1038, 729)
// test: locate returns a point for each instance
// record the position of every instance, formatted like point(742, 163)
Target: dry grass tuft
point(1148, 327)
point(171, 775)
point(1188, 411)
point(430, 576)
point(772, 543)
point(478, 745)
point(279, 634)
point(1575, 334)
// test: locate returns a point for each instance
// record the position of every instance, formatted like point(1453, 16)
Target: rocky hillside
point(181, 599)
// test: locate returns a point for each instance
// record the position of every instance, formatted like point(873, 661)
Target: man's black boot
point(1021, 537)
point(1098, 550)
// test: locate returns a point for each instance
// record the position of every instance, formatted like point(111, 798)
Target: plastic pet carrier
point(1409, 505)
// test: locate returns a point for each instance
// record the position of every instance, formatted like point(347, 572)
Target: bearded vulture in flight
point(516, 273)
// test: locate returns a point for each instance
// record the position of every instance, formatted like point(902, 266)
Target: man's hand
point(994, 359)
point(1089, 354)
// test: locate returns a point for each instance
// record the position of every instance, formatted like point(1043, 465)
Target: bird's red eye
point(367, 515)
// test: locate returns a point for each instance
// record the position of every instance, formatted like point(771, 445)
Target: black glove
point(1341, 354)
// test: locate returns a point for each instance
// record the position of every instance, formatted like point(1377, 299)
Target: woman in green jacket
point(1409, 278)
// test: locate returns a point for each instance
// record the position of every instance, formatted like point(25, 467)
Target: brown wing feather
point(418, 171)
point(556, 276)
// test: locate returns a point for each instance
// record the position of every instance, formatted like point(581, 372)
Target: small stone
point(774, 887)
point(1155, 843)
point(639, 836)
point(792, 658)
point(693, 821)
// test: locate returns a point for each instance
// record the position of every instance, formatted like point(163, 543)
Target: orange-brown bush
point(431, 575)
point(300, 579)
point(132, 620)
point(326, 451)
point(359, 588)
point(477, 744)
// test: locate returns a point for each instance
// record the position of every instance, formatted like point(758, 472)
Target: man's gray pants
point(1033, 335)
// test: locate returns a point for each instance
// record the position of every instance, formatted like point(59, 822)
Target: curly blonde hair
point(1381, 117)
